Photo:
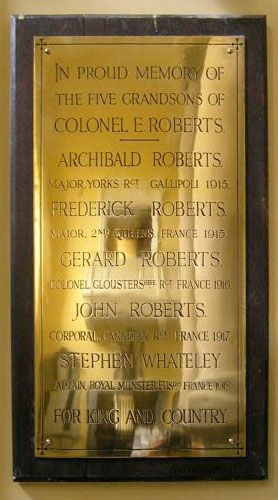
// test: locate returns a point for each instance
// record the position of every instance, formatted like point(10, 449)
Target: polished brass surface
point(139, 238)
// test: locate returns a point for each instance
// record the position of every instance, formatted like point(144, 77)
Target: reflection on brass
point(139, 236)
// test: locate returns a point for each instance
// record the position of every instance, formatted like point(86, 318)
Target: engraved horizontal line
point(236, 448)
point(133, 43)
point(139, 140)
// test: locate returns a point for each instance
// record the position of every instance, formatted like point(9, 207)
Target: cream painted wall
point(132, 491)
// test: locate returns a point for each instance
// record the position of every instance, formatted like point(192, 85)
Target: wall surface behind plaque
point(134, 491)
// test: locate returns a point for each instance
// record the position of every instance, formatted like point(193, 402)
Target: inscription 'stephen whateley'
point(139, 224)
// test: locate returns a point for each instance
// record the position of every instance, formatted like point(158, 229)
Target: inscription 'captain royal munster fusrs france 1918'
point(139, 224)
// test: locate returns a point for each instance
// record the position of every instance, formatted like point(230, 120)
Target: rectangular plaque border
point(42, 43)
point(26, 466)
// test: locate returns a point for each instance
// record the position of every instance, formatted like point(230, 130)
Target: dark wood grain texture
point(26, 466)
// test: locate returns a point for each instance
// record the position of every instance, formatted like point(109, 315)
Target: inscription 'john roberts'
point(140, 310)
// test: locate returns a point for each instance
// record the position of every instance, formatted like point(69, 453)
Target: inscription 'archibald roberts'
point(103, 159)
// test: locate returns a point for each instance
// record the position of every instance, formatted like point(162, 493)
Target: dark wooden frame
point(26, 466)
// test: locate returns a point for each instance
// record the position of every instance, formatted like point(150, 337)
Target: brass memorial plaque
point(139, 224)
